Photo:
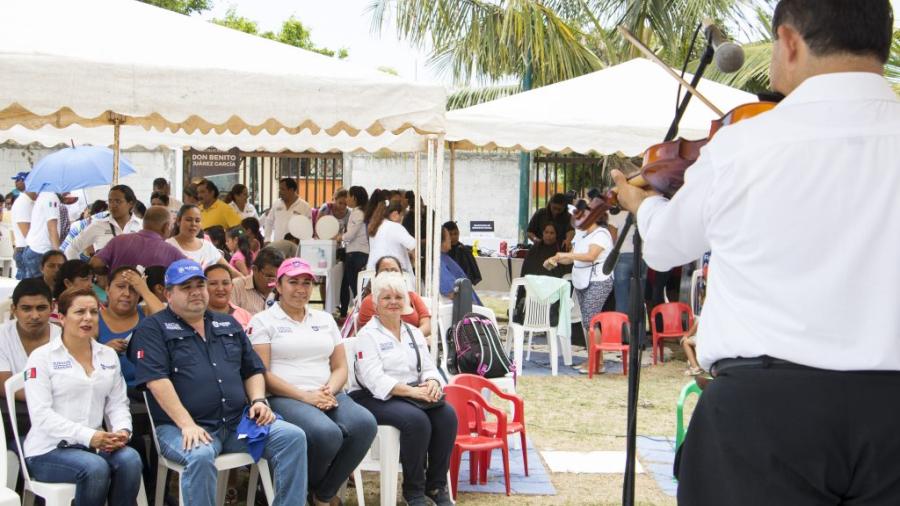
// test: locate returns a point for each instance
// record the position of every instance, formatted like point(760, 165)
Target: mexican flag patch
point(140, 354)
point(30, 373)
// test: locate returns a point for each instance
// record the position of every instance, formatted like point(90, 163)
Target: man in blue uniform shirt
point(201, 370)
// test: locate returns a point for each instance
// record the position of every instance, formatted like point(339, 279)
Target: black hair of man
point(290, 183)
point(451, 226)
point(268, 257)
point(557, 198)
point(210, 187)
point(156, 276)
point(50, 254)
point(160, 183)
point(833, 27)
point(31, 287)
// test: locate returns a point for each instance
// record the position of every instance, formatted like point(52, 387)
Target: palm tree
point(495, 40)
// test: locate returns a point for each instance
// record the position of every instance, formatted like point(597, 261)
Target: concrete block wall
point(15, 158)
point(487, 186)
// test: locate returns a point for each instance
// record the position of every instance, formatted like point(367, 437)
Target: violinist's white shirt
point(800, 207)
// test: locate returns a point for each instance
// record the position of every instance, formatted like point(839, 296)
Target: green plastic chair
point(690, 388)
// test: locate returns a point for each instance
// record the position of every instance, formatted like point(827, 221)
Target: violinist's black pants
point(786, 435)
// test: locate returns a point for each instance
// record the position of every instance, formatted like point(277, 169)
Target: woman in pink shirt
point(218, 283)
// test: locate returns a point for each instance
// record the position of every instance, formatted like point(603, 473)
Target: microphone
point(729, 57)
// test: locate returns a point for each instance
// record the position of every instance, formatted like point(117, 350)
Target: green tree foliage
point(182, 6)
point(292, 32)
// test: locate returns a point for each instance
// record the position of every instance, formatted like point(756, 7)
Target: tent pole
point(116, 120)
point(437, 213)
point(452, 181)
point(417, 209)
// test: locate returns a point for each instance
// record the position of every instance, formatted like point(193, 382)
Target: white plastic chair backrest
point(537, 313)
point(576, 309)
point(350, 352)
point(6, 243)
point(513, 292)
point(485, 311)
point(152, 424)
point(362, 280)
point(15, 383)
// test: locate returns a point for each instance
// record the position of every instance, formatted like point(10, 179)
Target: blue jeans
point(285, 450)
point(31, 263)
point(622, 281)
point(20, 263)
point(98, 477)
point(338, 439)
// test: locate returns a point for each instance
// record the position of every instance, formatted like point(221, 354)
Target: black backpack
point(475, 348)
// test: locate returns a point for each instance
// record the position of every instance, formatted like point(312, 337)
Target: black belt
point(763, 362)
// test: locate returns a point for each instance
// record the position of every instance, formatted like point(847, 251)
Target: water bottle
point(503, 251)
point(323, 264)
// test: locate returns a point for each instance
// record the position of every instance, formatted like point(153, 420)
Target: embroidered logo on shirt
point(173, 326)
point(358, 355)
point(140, 354)
point(30, 373)
point(283, 329)
point(315, 328)
point(386, 346)
point(106, 367)
point(62, 365)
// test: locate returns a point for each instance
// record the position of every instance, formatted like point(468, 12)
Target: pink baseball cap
point(293, 267)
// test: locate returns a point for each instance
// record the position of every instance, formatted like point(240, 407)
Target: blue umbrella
point(74, 168)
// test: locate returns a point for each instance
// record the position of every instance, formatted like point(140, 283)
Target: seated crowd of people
point(221, 341)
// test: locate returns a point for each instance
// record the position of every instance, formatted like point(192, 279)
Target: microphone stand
point(637, 313)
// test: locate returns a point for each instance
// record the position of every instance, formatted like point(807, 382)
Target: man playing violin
point(801, 326)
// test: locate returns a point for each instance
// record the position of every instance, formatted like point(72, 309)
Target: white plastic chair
point(54, 494)
point(224, 463)
point(9, 468)
point(536, 319)
point(362, 279)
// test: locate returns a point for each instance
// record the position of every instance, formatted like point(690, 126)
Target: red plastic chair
point(517, 425)
point(466, 402)
point(673, 327)
point(610, 325)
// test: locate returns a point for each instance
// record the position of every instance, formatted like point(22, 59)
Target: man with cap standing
point(20, 183)
point(21, 217)
point(200, 368)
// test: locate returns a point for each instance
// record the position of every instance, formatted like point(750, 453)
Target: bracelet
point(262, 400)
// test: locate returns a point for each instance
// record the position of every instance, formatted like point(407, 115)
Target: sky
point(335, 24)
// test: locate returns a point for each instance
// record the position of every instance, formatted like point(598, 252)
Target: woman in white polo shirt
point(306, 371)
point(400, 384)
point(71, 385)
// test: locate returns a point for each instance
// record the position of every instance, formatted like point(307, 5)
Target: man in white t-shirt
point(288, 204)
point(30, 328)
point(44, 235)
point(21, 217)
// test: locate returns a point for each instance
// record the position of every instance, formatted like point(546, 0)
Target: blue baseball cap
point(20, 176)
point(183, 270)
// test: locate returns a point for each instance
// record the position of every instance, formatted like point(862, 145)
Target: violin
point(664, 164)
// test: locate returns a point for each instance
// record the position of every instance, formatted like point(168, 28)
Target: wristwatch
point(262, 400)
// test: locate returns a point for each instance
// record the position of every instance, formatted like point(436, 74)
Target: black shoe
point(418, 501)
point(440, 496)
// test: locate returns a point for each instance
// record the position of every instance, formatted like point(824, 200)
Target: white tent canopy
point(64, 63)
point(137, 137)
point(625, 108)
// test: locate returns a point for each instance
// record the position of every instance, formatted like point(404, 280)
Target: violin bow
point(655, 59)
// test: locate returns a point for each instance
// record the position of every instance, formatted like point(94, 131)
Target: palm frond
point(467, 97)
